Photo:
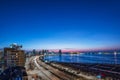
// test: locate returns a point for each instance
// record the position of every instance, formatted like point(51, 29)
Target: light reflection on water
point(111, 58)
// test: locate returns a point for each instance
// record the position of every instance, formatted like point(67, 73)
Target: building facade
point(14, 57)
point(1, 61)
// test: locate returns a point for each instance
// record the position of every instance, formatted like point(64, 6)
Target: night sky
point(53, 24)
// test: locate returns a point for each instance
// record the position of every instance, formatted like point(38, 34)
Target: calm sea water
point(85, 58)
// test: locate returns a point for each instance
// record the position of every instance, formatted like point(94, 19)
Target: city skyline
point(60, 24)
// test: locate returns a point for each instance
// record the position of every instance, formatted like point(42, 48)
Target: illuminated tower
point(60, 52)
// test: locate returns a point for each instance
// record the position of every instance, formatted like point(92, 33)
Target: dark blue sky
point(60, 23)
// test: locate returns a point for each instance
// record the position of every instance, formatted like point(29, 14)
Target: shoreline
point(77, 71)
point(91, 69)
point(69, 71)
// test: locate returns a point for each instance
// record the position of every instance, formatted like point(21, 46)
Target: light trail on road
point(47, 74)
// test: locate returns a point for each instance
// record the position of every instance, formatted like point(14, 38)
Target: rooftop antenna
point(16, 46)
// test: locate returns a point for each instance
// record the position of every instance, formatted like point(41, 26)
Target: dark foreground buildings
point(14, 61)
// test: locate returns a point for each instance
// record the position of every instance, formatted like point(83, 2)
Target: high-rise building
point(14, 62)
point(60, 52)
point(1, 61)
point(14, 56)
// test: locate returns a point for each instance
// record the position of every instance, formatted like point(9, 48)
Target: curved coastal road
point(46, 75)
